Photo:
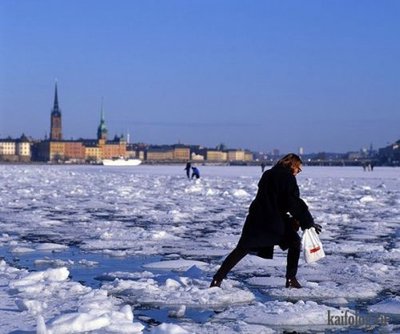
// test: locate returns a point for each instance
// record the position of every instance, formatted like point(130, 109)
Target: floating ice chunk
point(127, 327)
point(50, 223)
point(125, 275)
point(336, 301)
point(88, 263)
point(367, 199)
point(196, 188)
point(159, 235)
point(266, 281)
point(50, 247)
point(77, 323)
point(172, 284)
point(178, 216)
point(33, 306)
point(192, 293)
point(50, 275)
point(236, 326)
point(169, 329)
point(8, 270)
point(21, 250)
point(178, 313)
point(40, 325)
point(240, 193)
point(115, 253)
point(53, 263)
point(356, 247)
point(4, 237)
point(106, 236)
point(352, 290)
point(278, 313)
point(211, 192)
point(96, 312)
point(387, 306)
point(178, 265)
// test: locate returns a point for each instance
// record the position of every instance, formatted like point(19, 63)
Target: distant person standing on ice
point(195, 173)
point(262, 167)
point(274, 218)
point(187, 169)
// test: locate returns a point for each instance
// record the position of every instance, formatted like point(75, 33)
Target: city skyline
point(260, 76)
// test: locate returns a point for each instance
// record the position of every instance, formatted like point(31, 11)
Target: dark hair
point(289, 161)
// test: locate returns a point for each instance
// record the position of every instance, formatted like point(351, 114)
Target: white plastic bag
point(312, 246)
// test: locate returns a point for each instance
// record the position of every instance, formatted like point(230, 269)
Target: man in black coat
point(187, 169)
point(274, 218)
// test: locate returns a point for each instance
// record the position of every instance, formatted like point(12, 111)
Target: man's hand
point(318, 228)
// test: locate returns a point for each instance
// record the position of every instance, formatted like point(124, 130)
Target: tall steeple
point(55, 119)
point(55, 107)
point(102, 129)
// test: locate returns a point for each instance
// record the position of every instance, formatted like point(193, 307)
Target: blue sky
point(323, 75)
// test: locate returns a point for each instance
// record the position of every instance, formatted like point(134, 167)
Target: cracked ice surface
point(152, 239)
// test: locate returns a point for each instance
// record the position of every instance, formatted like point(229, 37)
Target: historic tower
point(55, 127)
point(102, 129)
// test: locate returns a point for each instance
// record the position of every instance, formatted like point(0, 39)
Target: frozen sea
point(132, 250)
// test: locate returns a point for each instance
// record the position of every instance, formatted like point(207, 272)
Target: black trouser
point(290, 241)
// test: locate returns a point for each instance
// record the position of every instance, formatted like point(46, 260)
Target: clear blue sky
point(323, 75)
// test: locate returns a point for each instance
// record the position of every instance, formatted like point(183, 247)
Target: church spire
point(55, 107)
point(102, 111)
point(55, 119)
point(102, 129)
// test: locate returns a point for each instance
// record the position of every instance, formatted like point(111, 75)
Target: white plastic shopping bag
point(312, 246)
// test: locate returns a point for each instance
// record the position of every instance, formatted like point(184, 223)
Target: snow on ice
point(108, 250)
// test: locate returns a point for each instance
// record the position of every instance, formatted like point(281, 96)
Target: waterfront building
point(15, 150)
point(248, 156)
point(7, 147)
point(215, 155)
point(160, 153)
point(235, 155)
point(136, 151)
point(390, 155)
point(112, 148)
point(181, 152)
point(197, 157)
point(92, 152)
point(74, 151)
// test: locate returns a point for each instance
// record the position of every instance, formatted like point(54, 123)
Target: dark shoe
point(293, 283)
point(216, 282)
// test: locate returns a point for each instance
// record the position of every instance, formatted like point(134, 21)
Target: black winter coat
point(278, 195)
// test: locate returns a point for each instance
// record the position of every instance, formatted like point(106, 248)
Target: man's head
point(291, 161)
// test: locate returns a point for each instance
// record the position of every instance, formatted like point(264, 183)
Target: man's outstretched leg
point(231, 260)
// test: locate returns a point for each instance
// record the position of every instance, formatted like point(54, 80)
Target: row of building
point(56, 149)
point(93, 151)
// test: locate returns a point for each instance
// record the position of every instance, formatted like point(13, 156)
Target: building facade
point(390, 155)
point(217, 156)
point(181, 152)
point(15, 150)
